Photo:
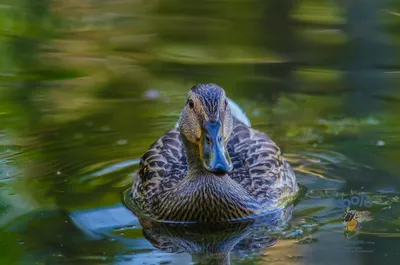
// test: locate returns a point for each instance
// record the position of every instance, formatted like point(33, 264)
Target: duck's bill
point(213, 149)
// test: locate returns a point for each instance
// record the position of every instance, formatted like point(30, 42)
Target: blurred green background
point(86, 86)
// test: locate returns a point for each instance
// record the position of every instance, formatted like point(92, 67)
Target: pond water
point(87, 86)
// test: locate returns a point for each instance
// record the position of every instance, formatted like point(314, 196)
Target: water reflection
point(87, 86)
point(212, 244)
point(207, 244)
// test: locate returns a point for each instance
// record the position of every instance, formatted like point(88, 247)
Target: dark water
point(87, 86)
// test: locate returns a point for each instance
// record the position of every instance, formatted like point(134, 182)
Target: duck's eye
point(219, 138)
point(208, 140)
point(226, 103)
point(191, 103)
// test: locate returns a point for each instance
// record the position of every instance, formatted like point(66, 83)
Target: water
point(87, 86)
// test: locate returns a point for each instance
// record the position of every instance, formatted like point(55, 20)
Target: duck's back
point(258, 166)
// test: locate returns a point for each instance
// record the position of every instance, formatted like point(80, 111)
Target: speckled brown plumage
point(260, 180)
point(259, 169)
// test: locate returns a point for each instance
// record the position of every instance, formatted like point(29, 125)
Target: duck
point(211, 167)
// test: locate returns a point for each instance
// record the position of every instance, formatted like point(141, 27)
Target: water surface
point(87, 86)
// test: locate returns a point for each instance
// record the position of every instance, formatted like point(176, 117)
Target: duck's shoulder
point(164, 162)
point(253, 143)
point(259, 165)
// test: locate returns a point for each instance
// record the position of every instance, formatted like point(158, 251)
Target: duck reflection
point(212, 244)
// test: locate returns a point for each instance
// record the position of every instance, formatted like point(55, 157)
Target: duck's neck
point(195, 166)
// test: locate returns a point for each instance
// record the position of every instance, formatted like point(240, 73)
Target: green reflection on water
point(86, 87)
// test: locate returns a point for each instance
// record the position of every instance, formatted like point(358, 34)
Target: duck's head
point(206, 121)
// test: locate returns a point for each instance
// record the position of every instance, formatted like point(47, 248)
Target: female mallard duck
point(211, 167)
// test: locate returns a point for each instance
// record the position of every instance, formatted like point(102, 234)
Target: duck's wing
point(161, 167)
point(258, 165)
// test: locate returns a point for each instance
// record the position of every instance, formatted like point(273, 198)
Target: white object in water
point(98, 222)
point(238, 113)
